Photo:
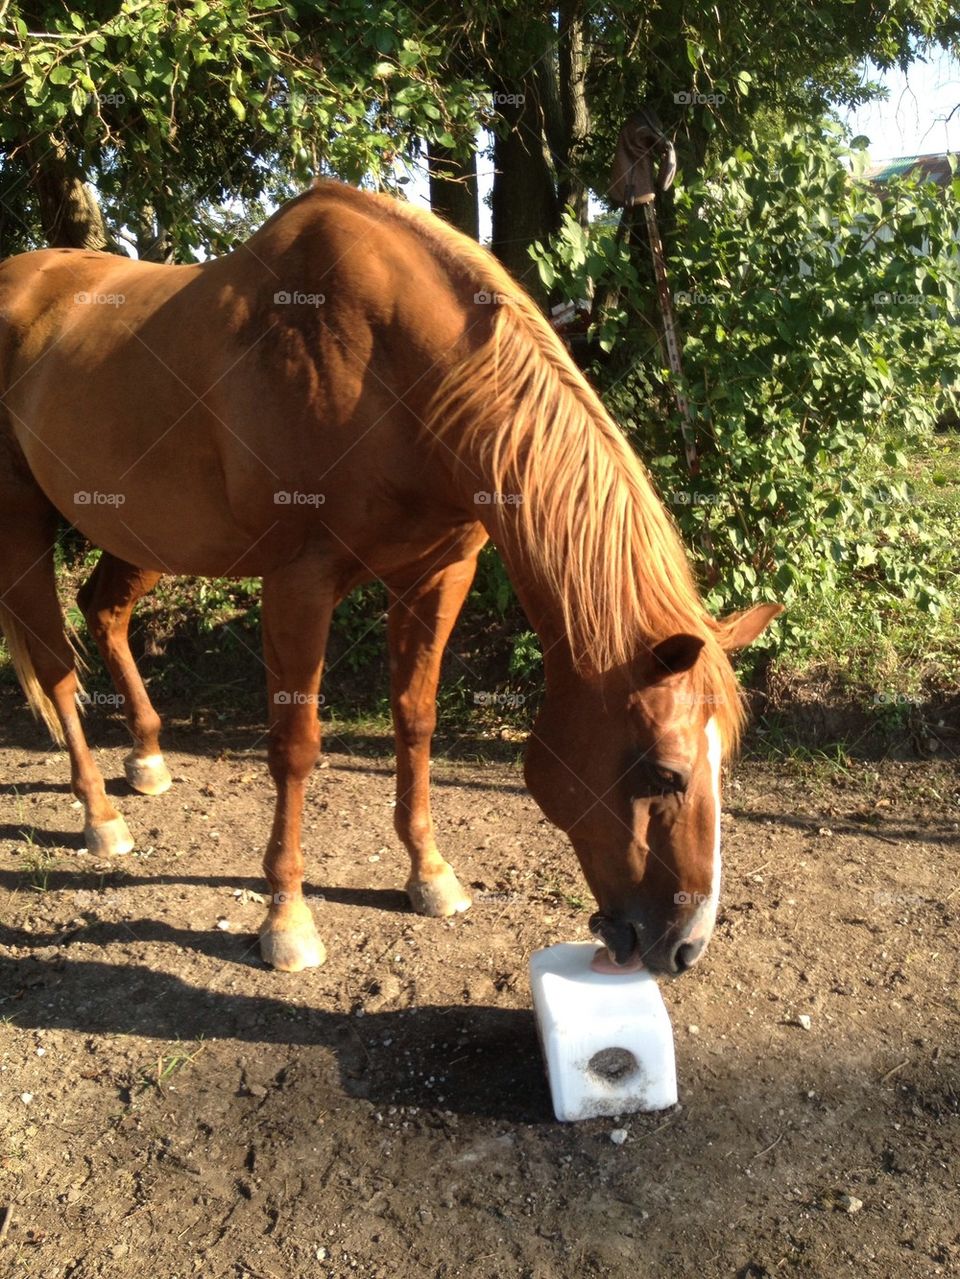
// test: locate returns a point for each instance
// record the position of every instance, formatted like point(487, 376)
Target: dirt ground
point(170, 1108)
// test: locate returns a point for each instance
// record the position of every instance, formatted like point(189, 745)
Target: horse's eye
point(649, 779)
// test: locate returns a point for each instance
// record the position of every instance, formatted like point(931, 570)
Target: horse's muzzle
point(667, 954)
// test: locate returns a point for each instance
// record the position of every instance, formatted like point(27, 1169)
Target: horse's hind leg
point(422, 614)
point(107, 600)
point(44, 660)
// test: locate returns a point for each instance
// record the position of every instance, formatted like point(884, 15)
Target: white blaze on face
point(707, 914)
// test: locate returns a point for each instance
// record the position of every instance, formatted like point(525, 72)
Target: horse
point(361, 392)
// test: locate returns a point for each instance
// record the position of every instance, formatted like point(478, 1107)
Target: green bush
point(817, 318)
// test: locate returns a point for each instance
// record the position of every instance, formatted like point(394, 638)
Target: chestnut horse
point(361, 392)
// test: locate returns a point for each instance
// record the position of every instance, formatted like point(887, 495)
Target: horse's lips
point(604, 962)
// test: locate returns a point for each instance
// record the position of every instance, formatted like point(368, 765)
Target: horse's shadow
point(889, 832)
point(37, 837)
point(36, 786)
point(480, 1060)
point(95, 879)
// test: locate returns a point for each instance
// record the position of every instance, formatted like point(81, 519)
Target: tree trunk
point(69, 212)
point(152, 240)
point(524, 200)
point(453, 189)
point(571, 189)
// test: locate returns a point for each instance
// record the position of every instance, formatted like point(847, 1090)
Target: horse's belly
point(165, 502)
point(157, 497)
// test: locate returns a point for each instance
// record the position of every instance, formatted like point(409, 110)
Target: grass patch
point(158, 1075)
point(888, 652)
point(38, 863)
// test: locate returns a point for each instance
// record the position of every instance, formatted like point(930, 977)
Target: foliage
point(492, 589)
point(223, 601)
point(525, 656)
point(492, 597)
point(818, 316)
point(718, 71)
point(359, 628)
point(177, 108)
point(714, 70)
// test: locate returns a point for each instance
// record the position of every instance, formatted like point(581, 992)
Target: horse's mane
point(590, 523)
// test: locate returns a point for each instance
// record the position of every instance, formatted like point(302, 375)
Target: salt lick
point(606, 1038)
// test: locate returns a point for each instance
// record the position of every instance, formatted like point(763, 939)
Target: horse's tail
point(15, 634)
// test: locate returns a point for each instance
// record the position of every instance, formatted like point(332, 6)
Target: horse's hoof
point(147, 774)
point(439, 896)
point(108, 837)
point(293, 943)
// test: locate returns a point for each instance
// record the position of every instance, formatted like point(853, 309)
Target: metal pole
point(670, 343)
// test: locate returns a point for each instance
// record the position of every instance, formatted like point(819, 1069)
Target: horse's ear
point(675, 655)
point(740, 629)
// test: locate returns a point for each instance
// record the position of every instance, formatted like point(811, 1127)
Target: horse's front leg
point(422, 614)
point(298, 602)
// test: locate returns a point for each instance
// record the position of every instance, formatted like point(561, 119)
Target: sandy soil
point(171, 1108)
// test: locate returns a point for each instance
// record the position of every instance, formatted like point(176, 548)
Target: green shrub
point(817, 317)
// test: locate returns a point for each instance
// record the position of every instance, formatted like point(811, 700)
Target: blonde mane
point(590, 524)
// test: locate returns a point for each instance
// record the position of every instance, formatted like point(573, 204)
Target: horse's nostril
point(618, 935)
point(686, 955)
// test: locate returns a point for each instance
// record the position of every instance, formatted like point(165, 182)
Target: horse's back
point(189, 401)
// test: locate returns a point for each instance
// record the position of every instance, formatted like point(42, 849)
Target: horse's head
point(628, 764)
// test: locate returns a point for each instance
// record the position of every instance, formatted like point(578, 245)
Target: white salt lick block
point(607, 1039)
